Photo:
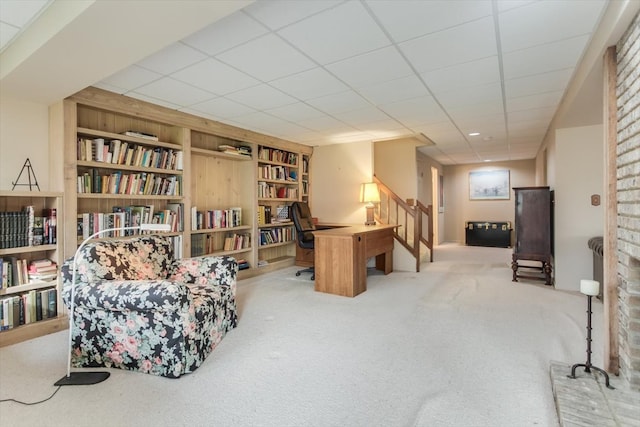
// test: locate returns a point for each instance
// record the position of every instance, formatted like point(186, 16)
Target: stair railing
point(414, 218)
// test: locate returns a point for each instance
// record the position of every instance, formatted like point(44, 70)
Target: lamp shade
point(589, 287)
point(370, 193)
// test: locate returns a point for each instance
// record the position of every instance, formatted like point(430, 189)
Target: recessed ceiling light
point(474, 134)
point(487, 160)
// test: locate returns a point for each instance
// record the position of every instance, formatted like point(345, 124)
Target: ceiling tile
point(216, 77)
point(476, 112)
point(295, 112)
point(504, 5)
point(174, 91)
point(426, 16)
point(266, 58)
point(310, 84)
point(547, 99)
point(225, 34)
point(537, 83)
point(261, 97)
point(326, 125)
point(387, 125)
point(542, 114)
point(338, 33)
point(7, 33)
point(365, 69)
point(472, 73)
point(483, 94)
point(415, 111)
point(153, 100)
point(222, 108)
point(172, 58)
point(339, 102)
point(275, 14)
point(363, 116)
point(542, 59)
point(468, 42)
point(132, 77)
point(520, 28)
point(394, 90)
point(19, 13)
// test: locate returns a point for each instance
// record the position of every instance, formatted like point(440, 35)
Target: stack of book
point(42, 270)
point(241, 150)
point(243, 264)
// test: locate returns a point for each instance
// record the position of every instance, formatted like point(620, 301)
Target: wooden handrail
point(410, 211)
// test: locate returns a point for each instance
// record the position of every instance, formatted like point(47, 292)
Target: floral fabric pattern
point(138, 308)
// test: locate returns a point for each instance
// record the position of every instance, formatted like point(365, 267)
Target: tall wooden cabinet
point(213, 182)
point(533, 249)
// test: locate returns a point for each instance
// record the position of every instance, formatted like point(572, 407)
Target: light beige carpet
point(457, 344)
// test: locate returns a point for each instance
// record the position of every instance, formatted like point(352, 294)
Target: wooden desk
point(341, 257)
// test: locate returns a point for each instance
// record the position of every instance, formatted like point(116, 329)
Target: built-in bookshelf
point(221, 197)
point(305, 188)
point(125, 158)
point(129, 171)
point(30, 257)
point(278, 185)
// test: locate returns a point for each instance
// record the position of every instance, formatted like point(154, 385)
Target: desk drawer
point(377, 243)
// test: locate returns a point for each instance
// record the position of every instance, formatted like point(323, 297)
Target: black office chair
point(304, 226)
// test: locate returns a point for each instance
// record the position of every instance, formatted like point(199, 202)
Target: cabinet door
point(533, 221)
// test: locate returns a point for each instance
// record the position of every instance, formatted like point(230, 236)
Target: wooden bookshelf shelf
point(213, 176)
point(20, 290)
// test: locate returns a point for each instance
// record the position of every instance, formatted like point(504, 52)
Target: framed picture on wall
point(489, 185)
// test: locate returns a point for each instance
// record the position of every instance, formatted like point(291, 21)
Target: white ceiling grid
point(321, 72)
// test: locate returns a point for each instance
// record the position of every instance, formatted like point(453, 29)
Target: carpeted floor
point(457, 344)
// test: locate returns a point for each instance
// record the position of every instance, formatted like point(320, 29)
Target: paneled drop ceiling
point(482, 79)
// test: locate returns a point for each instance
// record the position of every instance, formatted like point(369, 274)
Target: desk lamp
point(370, 195)
point(88, 378)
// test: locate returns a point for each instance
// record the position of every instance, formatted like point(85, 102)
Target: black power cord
point(31, 403)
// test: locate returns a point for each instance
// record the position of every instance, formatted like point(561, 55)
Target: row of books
point(202, 244)
point(267, 216)
point(276, 235)
point(129, 154)
point(280, 156)
point(237, 241)
point(19, 271)
point(276, 172)
point(141, 183)
point(241, 150)
point(215, 218)
point(130, 216)
point(24, 228)
point(272, 191)
point(29, 307)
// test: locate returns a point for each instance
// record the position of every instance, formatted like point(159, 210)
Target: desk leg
point(384, 262)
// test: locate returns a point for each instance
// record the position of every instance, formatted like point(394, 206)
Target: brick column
point(628, 195)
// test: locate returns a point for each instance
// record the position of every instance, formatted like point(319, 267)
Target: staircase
point(414, 218)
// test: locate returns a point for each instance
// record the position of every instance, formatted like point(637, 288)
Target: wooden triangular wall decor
point(31, 176)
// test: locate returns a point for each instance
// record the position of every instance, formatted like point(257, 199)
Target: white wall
point(395, 165)
point(24, 133)
point(458, 209)
point(579, 173)
point(337, 171)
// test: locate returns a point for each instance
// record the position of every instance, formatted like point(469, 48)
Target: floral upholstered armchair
point(139, 308)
